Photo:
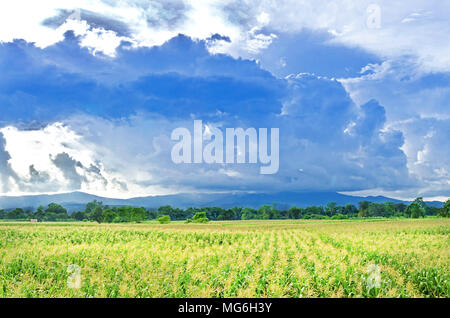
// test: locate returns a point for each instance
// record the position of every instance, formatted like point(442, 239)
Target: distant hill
point(75, 201)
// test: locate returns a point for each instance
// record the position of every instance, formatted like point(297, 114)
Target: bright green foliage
point(163, 219)
point(200, 217)
point(339, 217)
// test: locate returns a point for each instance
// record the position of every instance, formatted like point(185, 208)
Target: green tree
point(375, 209)
point(400, 209)
point(109, 215)
point(165, 209)
point(138, 214)
point(79, 216)
point(432, 210)
point(445, 211)
point(314, 210)
point(97, 214)
point(16, 214)
point(212, 212)
point(416, 209)
point(276, 213)
point(237, 212)
point(90, 206)
point(152, 214)
point(295, 213)
point(50, 216)
point(363, 207)
point(249, 214)
point(123, 214)
point(58, 210)
point(350, 210)
point(265, 212)
point(226, 215)
point(389, 209)
point(40, 213)
point(331, 208)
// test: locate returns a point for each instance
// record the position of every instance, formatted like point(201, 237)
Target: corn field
point(378, 258)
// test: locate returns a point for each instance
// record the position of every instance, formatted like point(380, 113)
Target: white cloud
point(419, 28)
point(417, 105)
point(41, 160)
point(36, 146)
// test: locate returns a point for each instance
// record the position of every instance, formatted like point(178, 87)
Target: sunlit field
point(371, 258)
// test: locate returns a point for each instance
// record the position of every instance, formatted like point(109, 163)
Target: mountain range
point(75, 201)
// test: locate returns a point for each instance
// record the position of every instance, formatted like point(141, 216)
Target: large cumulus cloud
point(416, 103)
point(106, 122)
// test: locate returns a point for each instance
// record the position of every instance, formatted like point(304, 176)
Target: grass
point(301, 258)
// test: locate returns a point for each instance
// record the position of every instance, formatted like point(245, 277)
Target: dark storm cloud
point(68, 166)
point(239, 13)
point(166, 13)
point(95, 172)
point(38, 176)
point(5, 168)
point(121, 184)
point(158, 13)
point(217, 37)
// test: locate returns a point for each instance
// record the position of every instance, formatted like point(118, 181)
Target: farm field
point(302, 258)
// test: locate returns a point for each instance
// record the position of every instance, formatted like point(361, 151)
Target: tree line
point(96, 211)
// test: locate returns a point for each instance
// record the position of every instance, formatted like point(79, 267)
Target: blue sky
point(91, 90)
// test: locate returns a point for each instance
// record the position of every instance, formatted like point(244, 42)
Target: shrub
point(339, 217)
point(163, 219)
point(200, 217)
